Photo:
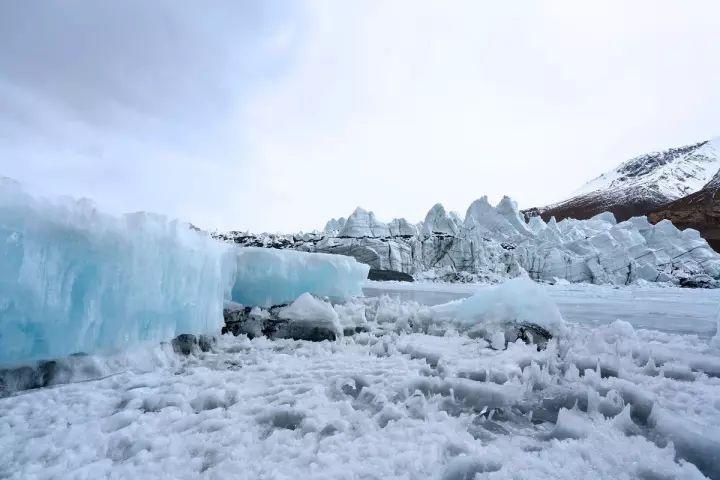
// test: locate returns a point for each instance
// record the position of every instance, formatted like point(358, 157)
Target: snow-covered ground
point(603, 400)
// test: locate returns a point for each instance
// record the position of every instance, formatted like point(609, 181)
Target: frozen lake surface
point(667, 309)
point(631, 399)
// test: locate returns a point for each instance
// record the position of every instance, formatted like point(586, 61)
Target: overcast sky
point(276, 116)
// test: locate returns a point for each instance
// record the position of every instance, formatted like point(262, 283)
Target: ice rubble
point(495, 243)
point(73, 279)
point(516, 309)
point(416, 400)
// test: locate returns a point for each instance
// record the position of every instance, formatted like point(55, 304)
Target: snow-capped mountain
point(641, 185)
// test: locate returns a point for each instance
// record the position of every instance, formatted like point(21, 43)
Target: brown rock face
point(587, 206)
point(661, 185)
point(700, 210)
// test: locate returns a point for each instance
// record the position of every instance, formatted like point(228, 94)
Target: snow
point(266, 277)
point(677, 175)
point(404, 400)
point(308, 311)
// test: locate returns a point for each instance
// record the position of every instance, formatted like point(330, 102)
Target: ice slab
point(73, 279)
point(267, 277)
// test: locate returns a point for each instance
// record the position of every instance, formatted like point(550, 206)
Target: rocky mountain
point(492, 243)
point(699, 210)
point(641, 185)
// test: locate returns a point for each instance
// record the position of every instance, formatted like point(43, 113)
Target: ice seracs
point(400, 227)
point(495, 243)
point(439, 222)
point(363, 224)
point(334, 225)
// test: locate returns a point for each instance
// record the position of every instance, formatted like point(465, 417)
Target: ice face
point(75, 280)
point(267, 277)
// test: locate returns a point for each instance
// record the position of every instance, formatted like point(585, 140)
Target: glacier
point(494, 243)
point(74, 279)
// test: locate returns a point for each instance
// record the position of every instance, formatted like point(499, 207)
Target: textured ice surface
point(73, 279)
point(405, 400)
point(268, 277)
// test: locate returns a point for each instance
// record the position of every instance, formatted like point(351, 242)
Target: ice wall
point(73, 279)
point(268, 277)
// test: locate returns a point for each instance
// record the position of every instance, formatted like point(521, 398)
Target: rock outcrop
point(700, 211)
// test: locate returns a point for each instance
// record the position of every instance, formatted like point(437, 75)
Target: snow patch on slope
point(673, 173)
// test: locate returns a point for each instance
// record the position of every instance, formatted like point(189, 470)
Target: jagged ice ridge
point(495, 242)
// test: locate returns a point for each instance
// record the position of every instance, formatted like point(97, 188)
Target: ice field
point(415, 396)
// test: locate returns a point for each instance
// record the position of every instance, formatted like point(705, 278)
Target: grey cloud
point(114, 63)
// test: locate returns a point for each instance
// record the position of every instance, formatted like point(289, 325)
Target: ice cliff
point(495, 242)
point(73, 279)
